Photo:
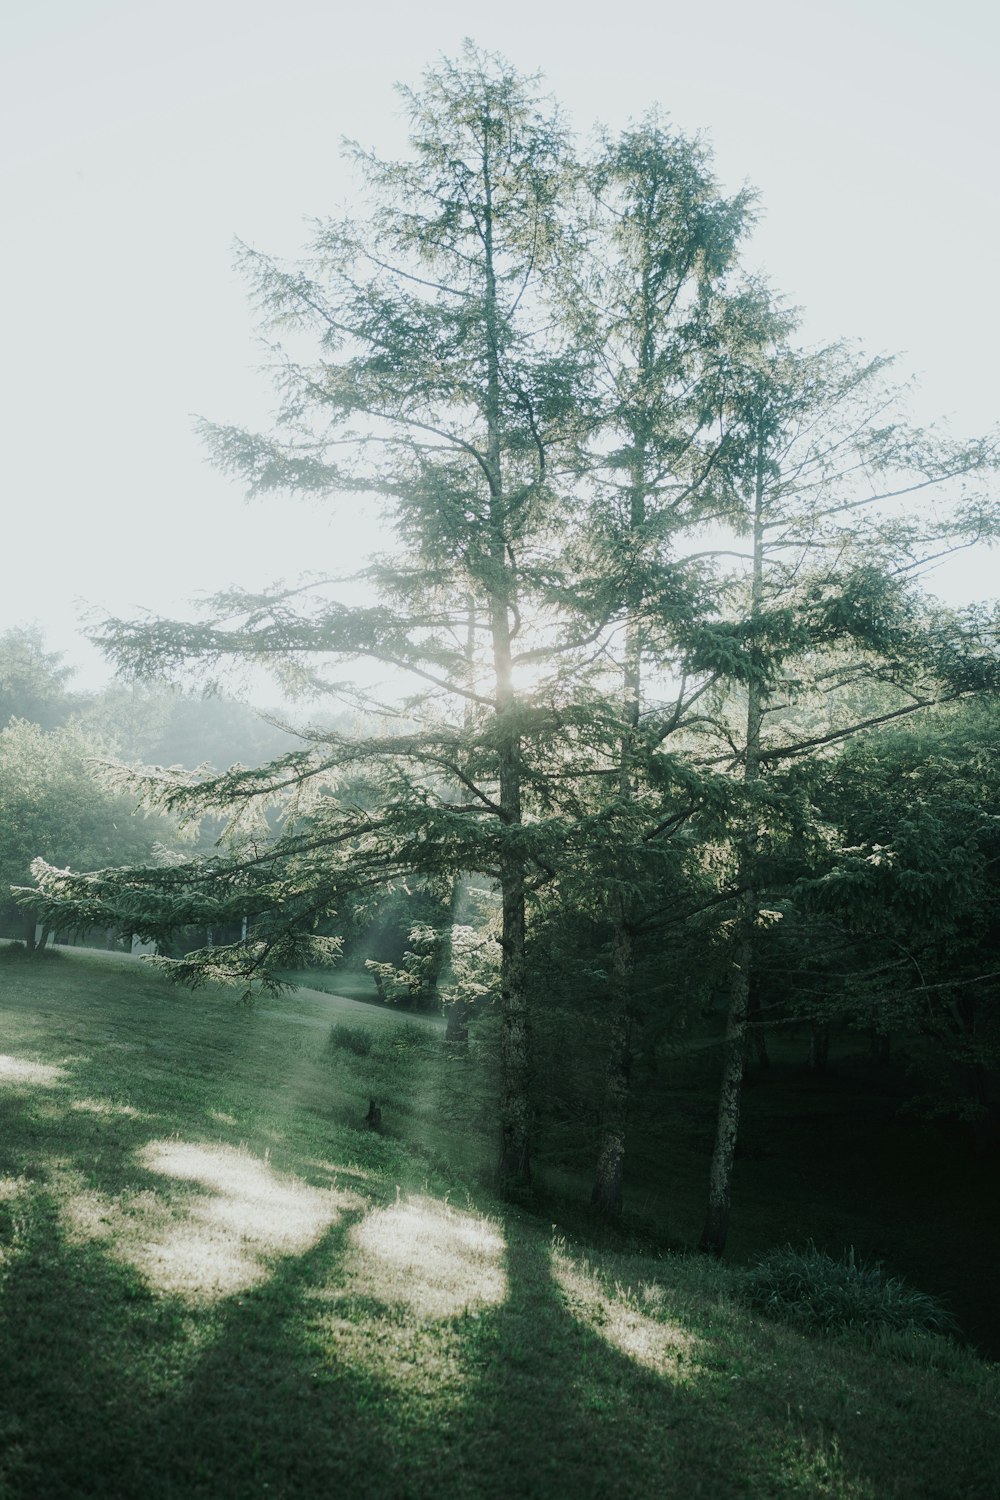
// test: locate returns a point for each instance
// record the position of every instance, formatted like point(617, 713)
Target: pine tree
point(650, 304)
point(826, 602)
point(433, 375)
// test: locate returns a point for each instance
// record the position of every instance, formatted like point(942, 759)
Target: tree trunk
point(714, 1234)
point(29, 933)
point(758, 1031)
point(713, 1237)
point(456, 1032)
point(608, 1179)
point(514, 1167)
point(819, 1047)
point(606, 1195)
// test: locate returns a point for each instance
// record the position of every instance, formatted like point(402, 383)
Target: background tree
point(52, 806)
point(826, 607)
point(911, 892)
point(32, 680)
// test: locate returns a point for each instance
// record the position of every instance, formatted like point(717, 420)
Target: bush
point(356, 1039)
point(812, 1290)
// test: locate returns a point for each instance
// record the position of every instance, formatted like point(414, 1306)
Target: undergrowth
point(812, 1290)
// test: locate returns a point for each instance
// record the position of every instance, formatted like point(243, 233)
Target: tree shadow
point(565, 1400)
point(311, 1382)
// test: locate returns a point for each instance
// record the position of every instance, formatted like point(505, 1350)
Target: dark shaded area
point(839, 1158)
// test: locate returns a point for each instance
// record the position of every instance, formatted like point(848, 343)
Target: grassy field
point(216, 1282)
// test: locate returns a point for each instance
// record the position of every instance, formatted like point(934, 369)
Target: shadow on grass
point(333, 1371)
point(309, 1384)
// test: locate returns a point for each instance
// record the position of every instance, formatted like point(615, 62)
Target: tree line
point(654, 588)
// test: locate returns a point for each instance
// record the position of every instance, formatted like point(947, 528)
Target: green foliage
point(54, 806)
point(32, 680)
point(815, 1291)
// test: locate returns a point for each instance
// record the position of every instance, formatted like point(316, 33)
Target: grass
point(349, 980)
point(835, 1294)
point(215, 1282)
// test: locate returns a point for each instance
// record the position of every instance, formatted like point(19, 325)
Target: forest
point(643, 754)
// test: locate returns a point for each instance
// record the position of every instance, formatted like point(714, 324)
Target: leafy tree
point(655, 303)
point(911, 892)
point(155, 724)
point(548, 399)
point(32, 680)
point(53, 807)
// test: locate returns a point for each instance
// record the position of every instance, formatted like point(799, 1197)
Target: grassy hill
point(214, 1281)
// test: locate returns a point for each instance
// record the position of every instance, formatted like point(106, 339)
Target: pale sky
point(137, 139)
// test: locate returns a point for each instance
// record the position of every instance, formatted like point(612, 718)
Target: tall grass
point(825, 1294)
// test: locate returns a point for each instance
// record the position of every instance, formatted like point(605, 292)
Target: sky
point(137, 140)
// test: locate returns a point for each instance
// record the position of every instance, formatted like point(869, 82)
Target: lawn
point(215, 1281)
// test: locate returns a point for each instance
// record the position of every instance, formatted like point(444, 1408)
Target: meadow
point(216, 1281)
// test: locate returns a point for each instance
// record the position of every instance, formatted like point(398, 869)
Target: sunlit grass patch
point(223, 1236)
point(435, 1259)
point(635, 1320)
point(105, 1107)
point(218, 1224)
point(21, 1070)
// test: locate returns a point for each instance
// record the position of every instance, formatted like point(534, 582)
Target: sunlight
point(230, 1216)
point(225, 1238)
point(631, 1319)
point(19, 1070)
point(437, 1259)
point(105, 1107)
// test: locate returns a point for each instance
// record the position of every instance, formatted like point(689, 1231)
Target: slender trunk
point(606, 1194)
point(607, 1191)
point(513, 1166)
point(881, 1047)
point(456, 1034)
point(714, 1234)
point(819, 1047)
point(29, 933)
point(758, 1030)
point(456, 1031)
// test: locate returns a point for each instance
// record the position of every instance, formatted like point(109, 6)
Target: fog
point(138, 141)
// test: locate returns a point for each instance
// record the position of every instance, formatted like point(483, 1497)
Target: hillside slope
point(216, 1282)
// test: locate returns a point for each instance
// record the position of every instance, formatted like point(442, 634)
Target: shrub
point(812, 1290)
point(356, 1039)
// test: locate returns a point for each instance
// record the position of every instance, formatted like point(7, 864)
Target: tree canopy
point(651, 558)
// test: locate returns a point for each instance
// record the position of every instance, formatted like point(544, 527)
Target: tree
point(652, 304)
point(52, 806)
point(442, 385)
point(32, 680)
point(828, 607)
point(546, 433)
point(910, 892)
